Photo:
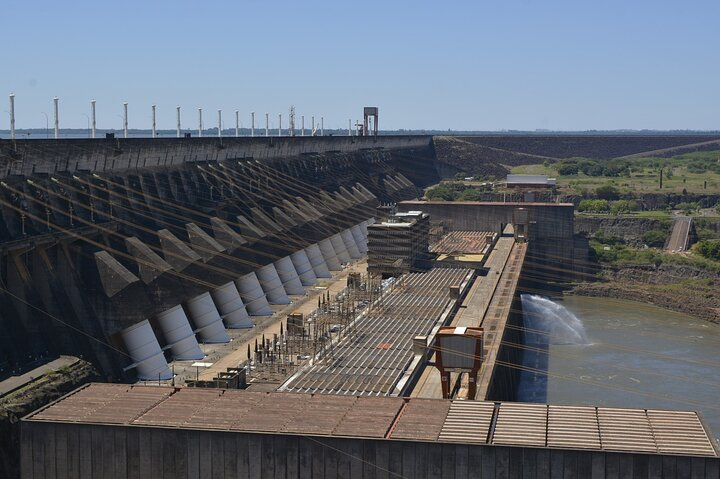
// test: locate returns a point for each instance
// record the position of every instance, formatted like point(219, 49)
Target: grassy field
point(680, 173)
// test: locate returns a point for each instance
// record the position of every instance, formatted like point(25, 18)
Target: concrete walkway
point(14, 383)
point(679, 237)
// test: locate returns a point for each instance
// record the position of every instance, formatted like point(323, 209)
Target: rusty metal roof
point(430, 420)
point(463, 242)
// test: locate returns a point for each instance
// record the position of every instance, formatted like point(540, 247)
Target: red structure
point(459, 350)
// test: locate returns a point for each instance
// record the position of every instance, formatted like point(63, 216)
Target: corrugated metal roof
point(573, 426)
point(421, 420)
point(466, 422)
point(463, 242)
point(521, 424)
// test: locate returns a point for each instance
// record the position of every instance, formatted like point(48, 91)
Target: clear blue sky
point(480, 65)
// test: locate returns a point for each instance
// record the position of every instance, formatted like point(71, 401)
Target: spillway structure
point(157, 247)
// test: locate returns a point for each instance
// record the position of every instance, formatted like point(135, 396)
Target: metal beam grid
point(465, 242)
point(373, 357)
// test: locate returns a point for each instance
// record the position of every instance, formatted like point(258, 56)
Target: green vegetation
point(454, 191)
point(620, 254)
point(709, 249)
point(654, 238)
point(697, 172)
point(687, 208)
point(604, 206)
point(594, 206)
point(624, 206)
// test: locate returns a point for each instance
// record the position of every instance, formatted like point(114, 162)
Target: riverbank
point(696, 298)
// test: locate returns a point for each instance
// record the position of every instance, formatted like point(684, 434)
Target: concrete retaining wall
point(69, 450)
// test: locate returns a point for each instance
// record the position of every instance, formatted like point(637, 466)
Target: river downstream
point(621, 354)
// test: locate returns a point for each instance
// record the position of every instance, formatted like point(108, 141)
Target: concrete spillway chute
point(207, 320)
point(253, 295)
point(352, 247)
point(328, 253)
point(317, 261)
point(340, 248)
point(288, 276)
point(360, 239)
point(148, 359)
point(179, 335)
point(230, 306)
point(271, 284)
point(303, 267)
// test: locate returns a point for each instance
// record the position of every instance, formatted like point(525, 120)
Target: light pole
point(57, 119)
point(237, 123)
point(302, 125)
point(252, 123)
point(92, 109)
point(47, 125)
point(219, 123)
point(280, 124)
point(178, 121)
point(154, 131)
point(12, 116)
point(125, 120)
point(200, 125)
point(267, 123)
point(88, 123)
point(322, 126)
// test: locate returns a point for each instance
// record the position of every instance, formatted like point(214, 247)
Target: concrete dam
point(100, 236)
point(146, 256)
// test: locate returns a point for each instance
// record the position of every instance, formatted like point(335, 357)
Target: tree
point(687, 207)
point(471, 194)
point(567, 169)
point(607, 192)
point(594, 206)
point(709, 249)
point(624, 206)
